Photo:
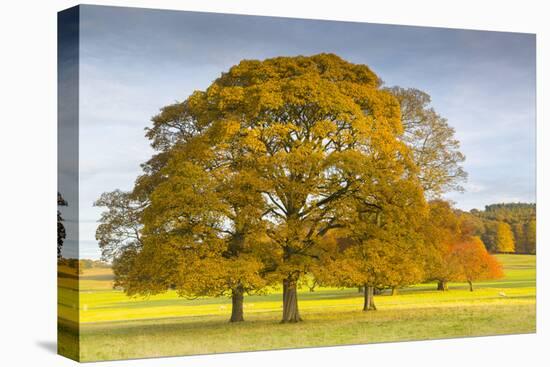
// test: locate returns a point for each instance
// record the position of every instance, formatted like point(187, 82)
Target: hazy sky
point(134, 61)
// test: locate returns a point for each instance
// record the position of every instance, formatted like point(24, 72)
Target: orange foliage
point(474, 262)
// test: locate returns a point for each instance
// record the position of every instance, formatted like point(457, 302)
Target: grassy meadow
point(113, 326)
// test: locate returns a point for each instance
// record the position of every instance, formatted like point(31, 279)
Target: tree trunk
point(237, 298)
point(366, 302)
point(360, 289)
point(471, 285)
point(442, 286)
point(394, 291)
point(369, 298)
point(290, 302)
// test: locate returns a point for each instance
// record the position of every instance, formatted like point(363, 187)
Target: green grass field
point(113, 326)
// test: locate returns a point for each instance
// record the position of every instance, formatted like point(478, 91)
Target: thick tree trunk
point(394, 291)
point(442, 286)
point(290, 302)
point(369, 298)
point(471, 285)
point(237, 299)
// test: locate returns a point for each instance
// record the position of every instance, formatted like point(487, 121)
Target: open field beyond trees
point(114, 326)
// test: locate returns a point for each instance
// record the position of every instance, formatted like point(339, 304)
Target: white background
point(28, 182)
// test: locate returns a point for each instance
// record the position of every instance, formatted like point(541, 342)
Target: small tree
point(120, 225)
point(474, 262)
point(406, 269)
point(441, 230)
point(379, 247)
point(61, 232)
point(384, 245)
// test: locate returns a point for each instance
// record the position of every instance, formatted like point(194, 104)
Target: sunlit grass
point(115, 326)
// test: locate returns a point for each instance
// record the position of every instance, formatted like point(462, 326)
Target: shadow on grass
point(342, 294)
point(219, 325)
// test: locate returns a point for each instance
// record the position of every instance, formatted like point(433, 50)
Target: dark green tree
point(61, 232)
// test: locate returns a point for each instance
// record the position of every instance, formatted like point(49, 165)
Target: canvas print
point(235, 183)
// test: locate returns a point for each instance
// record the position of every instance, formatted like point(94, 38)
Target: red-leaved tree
point(474, 262)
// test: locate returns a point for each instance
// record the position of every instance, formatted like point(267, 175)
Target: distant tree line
point(506, 227)
point(83, 264)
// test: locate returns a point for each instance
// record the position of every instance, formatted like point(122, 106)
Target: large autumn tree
point(321, 133)
point(250, 176)
point(311, 133)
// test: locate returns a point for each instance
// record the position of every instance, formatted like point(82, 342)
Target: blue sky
point(134, 61)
